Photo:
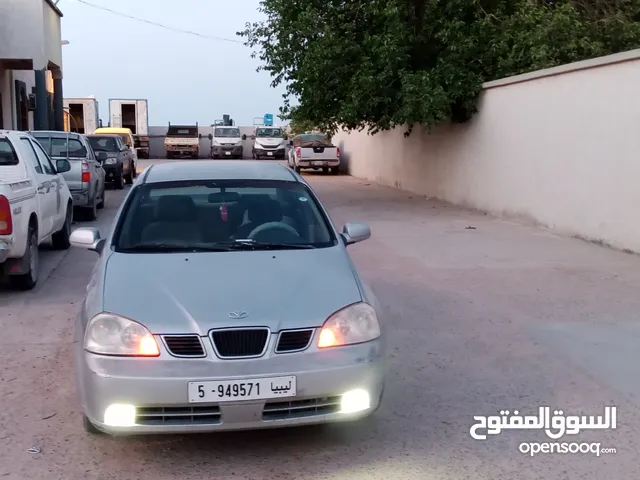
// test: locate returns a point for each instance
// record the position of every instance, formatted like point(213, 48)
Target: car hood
point(194, 292)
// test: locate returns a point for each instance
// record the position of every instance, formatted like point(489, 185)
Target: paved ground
point(496, 317)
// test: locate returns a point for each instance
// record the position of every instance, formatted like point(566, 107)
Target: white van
point(226, 142)
point(269, 142)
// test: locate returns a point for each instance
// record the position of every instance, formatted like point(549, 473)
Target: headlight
point(109, 334)
point(239, 144)
point(216, 143)
point(111, 161)
point(356, 323)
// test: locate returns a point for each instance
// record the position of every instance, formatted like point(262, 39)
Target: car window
point(59, 147)
point(104, 144)
point(126, 139)
point(31, 154)
point(44, 159)
point(226, 132)
point(192, 214)
point(8, 155)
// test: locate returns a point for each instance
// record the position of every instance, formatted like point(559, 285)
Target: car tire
point(297, 168)
point(60, 239)
point(128, 178)
point(335, 170)
point(89, 427)
point(91, 212)
point(119, 181)
point(101, 202)
point(28, 280)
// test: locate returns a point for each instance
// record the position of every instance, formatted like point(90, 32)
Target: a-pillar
point(58, 101)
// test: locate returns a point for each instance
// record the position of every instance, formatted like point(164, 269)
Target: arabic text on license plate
point(245, 389)
point(270, 154)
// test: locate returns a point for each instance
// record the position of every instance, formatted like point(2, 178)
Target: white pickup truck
point(35, 206)
point(310, 150)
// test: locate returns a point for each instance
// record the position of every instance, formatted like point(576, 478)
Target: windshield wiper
point(248, 244)
point(171, 247)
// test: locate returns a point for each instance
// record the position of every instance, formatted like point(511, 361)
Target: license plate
point(239, 390)
point(320, 164)
point(227, 153)
point(270, 154)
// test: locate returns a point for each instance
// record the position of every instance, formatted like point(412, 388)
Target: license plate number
point(320, 164)
point(239, 390)
point(270, 154)
point(227, 153)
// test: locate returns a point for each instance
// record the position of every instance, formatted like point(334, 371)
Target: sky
point(185, 78)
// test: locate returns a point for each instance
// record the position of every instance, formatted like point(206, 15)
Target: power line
point(156, 24)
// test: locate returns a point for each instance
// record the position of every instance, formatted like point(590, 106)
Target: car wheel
point(325, 170)
point(119, 181)
point(60, 239)
point(29, 279)
point(297, 168)
point(335, 171)
point(91, 211)
point(134, 170)
point(128, 178)
point(90, 427)
point(101, 202)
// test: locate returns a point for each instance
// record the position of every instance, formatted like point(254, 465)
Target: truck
point(269, 142)
point(81, 115)
point(314, 150)
point(134, 115)
point(182, 140)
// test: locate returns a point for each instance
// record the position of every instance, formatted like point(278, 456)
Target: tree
point(382, 63)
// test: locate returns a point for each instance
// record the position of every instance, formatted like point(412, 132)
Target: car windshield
point(222, 215)
point(312, 140)
point(226, 132)
point(269, 133)
point(104, 144)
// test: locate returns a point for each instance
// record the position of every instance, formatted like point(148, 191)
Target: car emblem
point(238, 315)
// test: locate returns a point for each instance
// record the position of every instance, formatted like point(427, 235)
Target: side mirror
point(355, 232)
point(101, 156)
point(87, 238)
point(244, 136)
point(253, 137)
point(63, 166)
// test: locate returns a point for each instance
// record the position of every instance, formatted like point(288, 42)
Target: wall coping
point(568, 68)
point(54, 7)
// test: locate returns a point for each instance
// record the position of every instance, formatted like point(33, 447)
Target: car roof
point(35, 133)
point(218, 170)
point(113, 130)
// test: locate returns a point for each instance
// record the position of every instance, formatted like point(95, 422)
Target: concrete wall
point(560, 147)
point(22, 34)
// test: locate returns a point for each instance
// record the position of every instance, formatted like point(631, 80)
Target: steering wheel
point(274, 227)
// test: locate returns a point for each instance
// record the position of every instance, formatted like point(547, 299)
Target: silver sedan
point(225, 299)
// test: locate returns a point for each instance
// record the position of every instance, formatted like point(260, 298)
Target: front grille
point(184, 345)
point(293, 340)
point(301, 408)
point(200, 415)
point(236, 343)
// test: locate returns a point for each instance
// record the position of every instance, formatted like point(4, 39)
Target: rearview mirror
point(102, 156)
point(244, 136)
point(355, 232)
point(87, 238)
point(63, 166)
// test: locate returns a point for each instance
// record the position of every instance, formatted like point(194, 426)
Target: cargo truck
point(81, 115)
point(134, 115)
point(182, 140)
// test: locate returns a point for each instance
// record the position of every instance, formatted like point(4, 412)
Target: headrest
point(175, 208)
point(267, 210)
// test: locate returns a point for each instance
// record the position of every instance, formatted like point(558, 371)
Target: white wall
point(560, 147)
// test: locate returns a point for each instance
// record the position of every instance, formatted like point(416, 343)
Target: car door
point(45, 188)
point(95, 166)
point(55, 195)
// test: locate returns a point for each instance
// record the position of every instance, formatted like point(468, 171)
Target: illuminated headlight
point(355, 401)
point(356, 323)
point(111, 161)
point(120, 415)
point(109, 334)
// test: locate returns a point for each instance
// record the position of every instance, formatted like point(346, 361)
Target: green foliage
point(378, 64)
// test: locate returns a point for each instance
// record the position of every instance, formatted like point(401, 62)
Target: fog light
point(119, 415)
point(355, 401)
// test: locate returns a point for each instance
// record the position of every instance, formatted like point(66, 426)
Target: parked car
point(116, 158)
point(183, 328)
point(86, 179)
point(35, 206)
point(311, 150)
point(127, 137)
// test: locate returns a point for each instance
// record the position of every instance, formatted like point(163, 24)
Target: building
point(30, 65)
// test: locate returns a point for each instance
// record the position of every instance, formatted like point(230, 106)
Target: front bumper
point(270, 152)
point(112, 172)
point(158, 387)
point(182, 149)
point(224, 151)
point(80, 198)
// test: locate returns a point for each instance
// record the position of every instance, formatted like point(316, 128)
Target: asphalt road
point(498, 316)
